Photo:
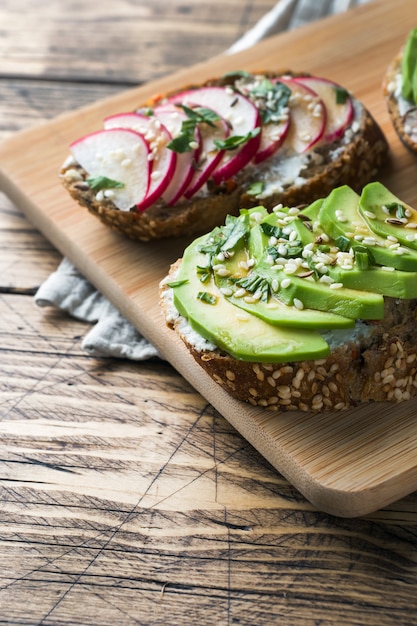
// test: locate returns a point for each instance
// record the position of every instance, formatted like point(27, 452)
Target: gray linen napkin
point(112, 335)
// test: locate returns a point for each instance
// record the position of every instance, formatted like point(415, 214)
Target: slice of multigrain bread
point(375, 361)
point(403, 112)
point(353, 158)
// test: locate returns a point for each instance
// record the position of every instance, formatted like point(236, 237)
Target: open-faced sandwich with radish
point(179, 164)
point(309, 308)
point(400, 90)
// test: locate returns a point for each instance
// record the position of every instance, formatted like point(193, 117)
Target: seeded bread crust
point(399, 121)
point(356, 164)
point(382, 367)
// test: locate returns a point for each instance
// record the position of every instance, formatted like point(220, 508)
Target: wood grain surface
point(347, 464)
point(125, 497)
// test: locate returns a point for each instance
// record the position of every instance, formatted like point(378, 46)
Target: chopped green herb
point(362, 260)
point(199, 115)
point(235, 141)
point(397, 209)
point(255, 189)
point(207, 297)
point(274, 95)
point(270, 230)
point(294, 251)
point(256, 284)
point(177, 283)
point(102, 182)
point(343, 243)
point(272, 251)
point(341, 95)
point(203, 273)
point(182, 143)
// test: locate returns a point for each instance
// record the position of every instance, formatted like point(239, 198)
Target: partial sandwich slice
point(236, 141)
point(289, 311)
point(400, 91)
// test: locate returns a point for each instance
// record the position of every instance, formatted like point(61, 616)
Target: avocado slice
point(388, 216)
point(304, 287)
point(352, 222)
point(384, 280)
point(409, 68)
point(270, 308)
point(243, 336)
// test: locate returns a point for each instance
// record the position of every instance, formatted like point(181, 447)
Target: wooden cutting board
point(346, 464)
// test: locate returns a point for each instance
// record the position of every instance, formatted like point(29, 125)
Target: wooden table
point(125, 497)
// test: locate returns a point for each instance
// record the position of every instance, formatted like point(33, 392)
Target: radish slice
point(239, 113)
point(307, 116)
point(272, 137)
point(339, 115)
point(162, 160)
point(172, 117)
point(120, 155)
point(209, 156)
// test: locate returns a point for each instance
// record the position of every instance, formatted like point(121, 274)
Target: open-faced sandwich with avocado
point(182, 162)
point(304, 308)
point(400, 90)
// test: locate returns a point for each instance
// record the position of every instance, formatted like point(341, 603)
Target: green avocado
point(389, 217)
point(304, 285)
point(384, 280)
point(263, 286)
point(344, 214)
point(268, 306)
point(409, 68)
point(243, 336)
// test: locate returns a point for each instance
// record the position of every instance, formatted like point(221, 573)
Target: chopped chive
point(207, 297)
point(178, 283)
point(362, 260)
point(343, 243)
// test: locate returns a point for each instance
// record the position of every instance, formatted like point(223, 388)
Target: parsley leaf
point(102, 182)
point(235, 141)
point(198, 115)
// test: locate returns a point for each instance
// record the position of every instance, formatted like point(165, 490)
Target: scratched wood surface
point(125, 497)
